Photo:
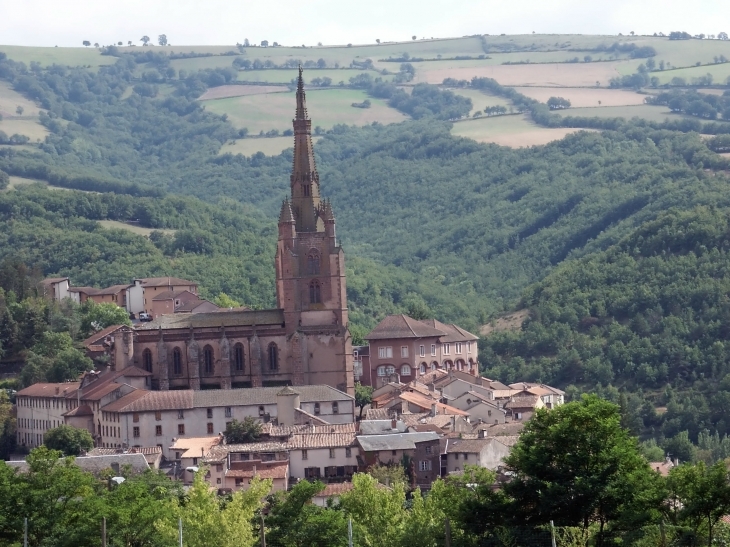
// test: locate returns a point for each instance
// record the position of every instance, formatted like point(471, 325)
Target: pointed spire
point(328, 213)
point(301, 98)
point(286, 212)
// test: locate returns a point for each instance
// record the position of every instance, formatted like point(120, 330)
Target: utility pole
point(179, 530)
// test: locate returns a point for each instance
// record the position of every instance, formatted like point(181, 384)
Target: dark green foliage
point(70, 441)
point(693, 103)
point(246, 431)
point(4, 180)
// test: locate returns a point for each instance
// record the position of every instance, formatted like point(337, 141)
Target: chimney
point(481, 434)
point(453, 423)
point(393, 424)
point(433, 409)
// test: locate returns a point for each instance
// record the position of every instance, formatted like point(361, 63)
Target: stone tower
point(310, 270)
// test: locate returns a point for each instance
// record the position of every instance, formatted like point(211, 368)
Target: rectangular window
point(428, 450)
point(404, 351)
point(468, 347)
point(228, 412)
point(158, 430)
point(348, 452)
point(210, 428)
point(424, 465)
point(180, 429)
point(385, 353)
point(210, 412)
point(135, 417)
point(458, 347)
point(335, 408)
point(180, 415)
point(218, 467)
point(446, 349)
point(304, 455)
point(433, 349)
point(135, 431)
point(332, 452)
point(422, 350)
point(158, 415)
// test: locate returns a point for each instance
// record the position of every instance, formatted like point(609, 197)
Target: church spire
point(304, 177)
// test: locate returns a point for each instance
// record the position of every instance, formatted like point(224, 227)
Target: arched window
point(313, 262)
point(176, 361)
point(405, 370)
point(238, 357)
point(460, 365)
point(434, 365)
point(390, 369)
point(147, 359)
point(208, 360)
point(381, 370)
point(273, 357)
point(423, 368)
point(448, 365)
point(315, 296)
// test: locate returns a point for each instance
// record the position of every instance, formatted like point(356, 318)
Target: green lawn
point(68, 56)
point(269, 146)
point(548, 42)
point(10, 100)
point(720, 73)
point(327, 107)
point(683, 53)
point(282, 76)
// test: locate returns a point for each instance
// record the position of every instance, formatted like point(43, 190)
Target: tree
point(264, 43)
point(576, 465)
point(700, 495)
point(377, 41)
point(413, 37)
point(246, 43)
point(96, 317)
point(722, 35)
point(86, 43)
point(225, 301)
point(129, 43)
point(246, 431)
point(162, 39)
point(321, 63)
point(70, 441)
point(145, 40)
point(388, 474)
point(96, 44)
point(19, 110)
point(558, 103)
point(363, 396)
point(119, 43)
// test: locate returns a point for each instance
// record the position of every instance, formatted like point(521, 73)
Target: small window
point(177, 455)
point(316, 408)
point(209, 411)
point(405, 370)
point(218, 467)
point(238, 357)
point(422, 369)
point(458, 347)
point(228, 412)
point(381, 370)
point(176, 362)
point(158, 430)
point(158, 415)
point(468, 347)
point(404, 351)
point(208, 364)
point(180, 415)
point(385, 353)
point(180, 429)
point(390, 369)
point(393, 452)
point(195, 461)
point(348, 452)
point(315, 292)
point(273, 356)
point(332, 453)
point(305, 455)
point(313, 262)
point(422, 350)
point(335, 408)
point(446, 349)
point(147, 359)
point(262, 410)
point(424, 465)
point(210, 428)
point(433, 349)
point(428, 449)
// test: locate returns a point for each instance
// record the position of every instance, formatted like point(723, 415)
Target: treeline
point(601, 492)
point(701, 105)
point(648, 318)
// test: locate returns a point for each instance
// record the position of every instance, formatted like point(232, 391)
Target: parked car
point(144, 316)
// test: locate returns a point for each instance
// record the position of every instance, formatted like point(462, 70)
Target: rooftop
point(277, 469)
point(164, 281)
point(453, 332)
point(402, 326)
point(215, 319)
point(196, 446)
point(470, 446)
point(397, 441)
point(49, 390)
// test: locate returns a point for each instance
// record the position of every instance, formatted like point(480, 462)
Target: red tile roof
point(425, 403)
point(94, 338)
point(49, 390)
point(277, 469)
point(402, 326)
point(453, 332)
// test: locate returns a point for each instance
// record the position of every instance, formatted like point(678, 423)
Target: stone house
point(487, 452)
point(421, 449)
point(55, 288)
point(142, 292)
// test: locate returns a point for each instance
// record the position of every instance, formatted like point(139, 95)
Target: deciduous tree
point(70, 441)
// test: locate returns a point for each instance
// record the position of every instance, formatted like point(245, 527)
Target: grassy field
point(225, 91)
point(69, 56)
point(10, 100)
point(548, 42)
point(282, 76)
point(28, 127)
point(681, 53)
point(20, 181)
point(720, 73)
point(584, 97)
point(480, 100)
point(326, 107)
point(269, 146)
point(116, 225)
point(515, 131)
point(648, 112)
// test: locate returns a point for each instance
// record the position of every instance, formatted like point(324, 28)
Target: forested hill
point(649, 312)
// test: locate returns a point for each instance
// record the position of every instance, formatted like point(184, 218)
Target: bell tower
point(310, 269)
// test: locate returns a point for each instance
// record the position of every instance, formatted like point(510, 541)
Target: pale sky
point(296, 22)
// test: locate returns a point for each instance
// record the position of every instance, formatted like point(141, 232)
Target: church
point(303, 341)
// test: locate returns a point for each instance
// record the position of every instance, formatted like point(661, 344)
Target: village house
point(180, 302)
point(421, 449)
point(487, 452)
point(142, 292)
point(55, 288)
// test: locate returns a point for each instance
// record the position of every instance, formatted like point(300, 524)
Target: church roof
point(225, 318)
point(402, 326)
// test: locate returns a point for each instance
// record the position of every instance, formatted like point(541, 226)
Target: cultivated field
point(69, 56)
point(10, 100)
point(583, 97)
point(515, 131)
point(283, 76)
point(648, 112)
point(327, 107)
point(547, 75)
point(226, 91)
point(720, 73)
point(481, 100)
point(270, 146)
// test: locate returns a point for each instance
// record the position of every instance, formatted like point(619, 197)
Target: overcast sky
point(296, 22)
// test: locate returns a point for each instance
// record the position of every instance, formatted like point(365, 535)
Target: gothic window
point(273, 357)
point(315, 295)
point(238, 357)
point(147, 360)
point(305, 188)
point(176, 361)
point(313, 262)
point(208, 360)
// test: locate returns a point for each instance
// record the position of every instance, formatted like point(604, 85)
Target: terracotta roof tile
point(331, 440)
point(470, 446)
point(335, 489)
point(49, 390)
point(164, 281)
point(425, 403)
point(402, 326)
point(278, 469)
point(453, 333)
point(522, 402)
point(377, 414)
point(83, 410)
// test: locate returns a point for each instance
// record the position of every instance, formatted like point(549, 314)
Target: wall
point(427, 451)
point(319, 457)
